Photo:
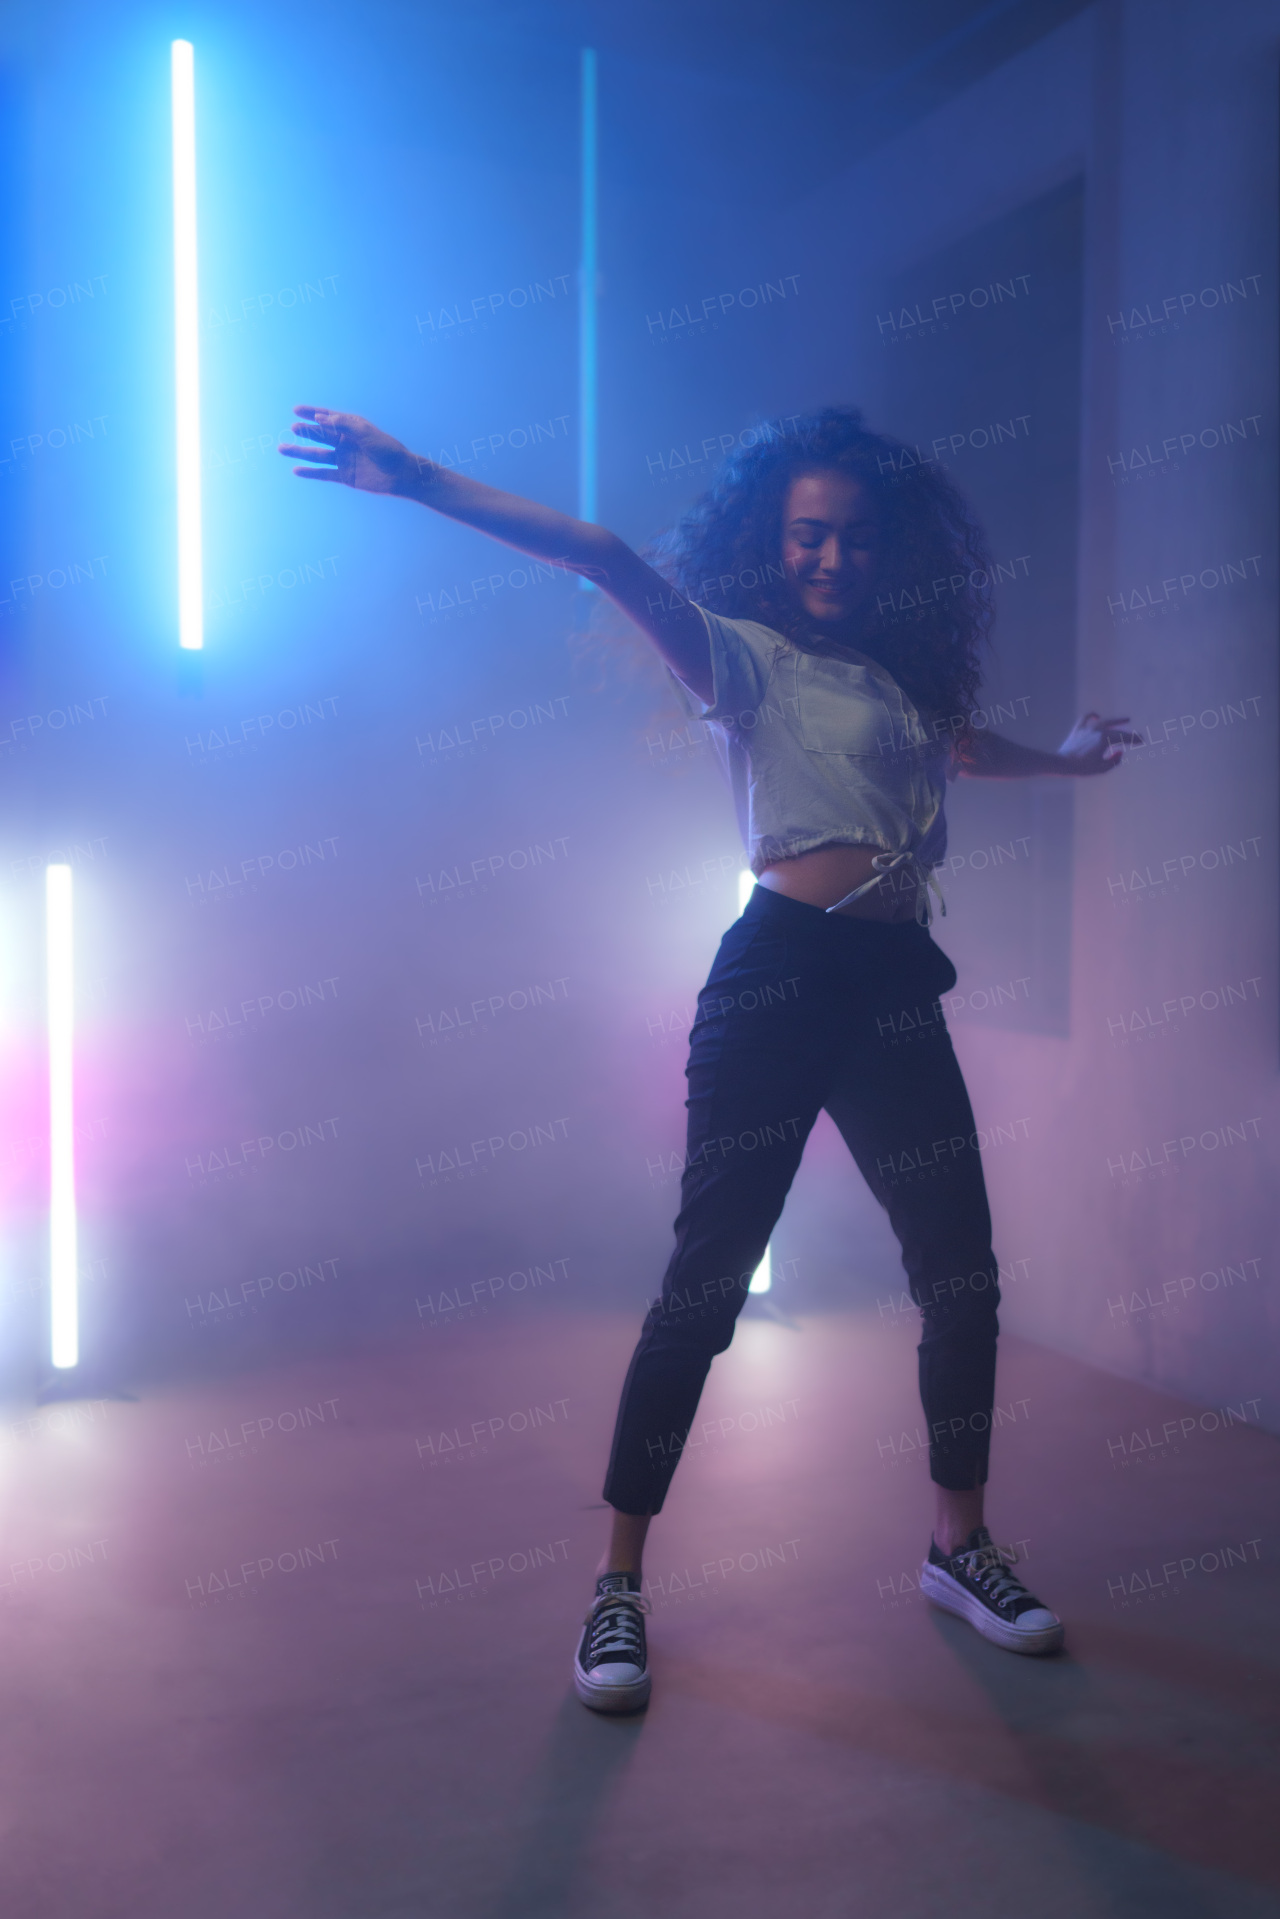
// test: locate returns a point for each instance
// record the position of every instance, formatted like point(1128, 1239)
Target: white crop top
point(822, 751)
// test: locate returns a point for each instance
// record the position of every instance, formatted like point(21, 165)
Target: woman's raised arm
point(354, 452)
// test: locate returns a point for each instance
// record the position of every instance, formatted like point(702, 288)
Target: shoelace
point(990, 1567)
point(616, 1631)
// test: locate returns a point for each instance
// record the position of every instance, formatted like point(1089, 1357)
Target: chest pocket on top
point(844, 708)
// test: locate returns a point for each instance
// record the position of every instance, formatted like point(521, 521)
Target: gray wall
point(1142, 1196)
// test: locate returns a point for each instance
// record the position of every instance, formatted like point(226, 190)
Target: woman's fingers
point(1112, 730)
point(1115, 729)
point(320, 424)
point(326, 455)
point(325, 416)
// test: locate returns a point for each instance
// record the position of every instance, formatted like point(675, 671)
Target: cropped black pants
point(805, 1011)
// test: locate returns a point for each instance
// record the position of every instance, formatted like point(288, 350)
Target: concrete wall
point(1143, 1194)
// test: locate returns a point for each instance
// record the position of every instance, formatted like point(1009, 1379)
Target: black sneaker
point(977, 1584)
point(611, 1666)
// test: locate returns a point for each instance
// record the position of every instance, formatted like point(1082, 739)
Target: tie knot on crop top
point(823, 751)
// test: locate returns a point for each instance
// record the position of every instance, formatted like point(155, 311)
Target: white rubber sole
point(943, 1591)
point(610, 1698)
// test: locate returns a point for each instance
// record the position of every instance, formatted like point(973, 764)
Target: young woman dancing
point(780, 610)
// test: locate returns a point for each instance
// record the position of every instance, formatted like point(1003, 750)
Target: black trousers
point(805, 1011)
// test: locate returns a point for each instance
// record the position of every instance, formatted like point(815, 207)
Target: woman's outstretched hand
point(352, 451)
point(1095, 745)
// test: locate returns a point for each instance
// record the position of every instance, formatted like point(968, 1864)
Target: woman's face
point(830, 545)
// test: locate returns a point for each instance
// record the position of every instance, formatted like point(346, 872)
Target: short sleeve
point(741, 657)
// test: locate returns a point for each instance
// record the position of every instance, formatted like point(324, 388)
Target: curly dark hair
point(933, 596)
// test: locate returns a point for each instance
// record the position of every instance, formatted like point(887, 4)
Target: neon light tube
point(588, 273)
point(186, 315)
point(762, 1278)
point(63, 1256)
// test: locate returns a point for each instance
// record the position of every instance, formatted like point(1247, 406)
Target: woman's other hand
point(1095, 745)
point(352, 451)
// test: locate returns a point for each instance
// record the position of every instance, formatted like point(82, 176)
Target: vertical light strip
point(588, 274)
point(762, 1278)
point(186, 356)
point(60, 999)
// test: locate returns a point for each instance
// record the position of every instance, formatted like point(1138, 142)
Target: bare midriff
point(826, 874)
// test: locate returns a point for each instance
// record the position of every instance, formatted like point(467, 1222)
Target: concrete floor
point(320, 1666)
